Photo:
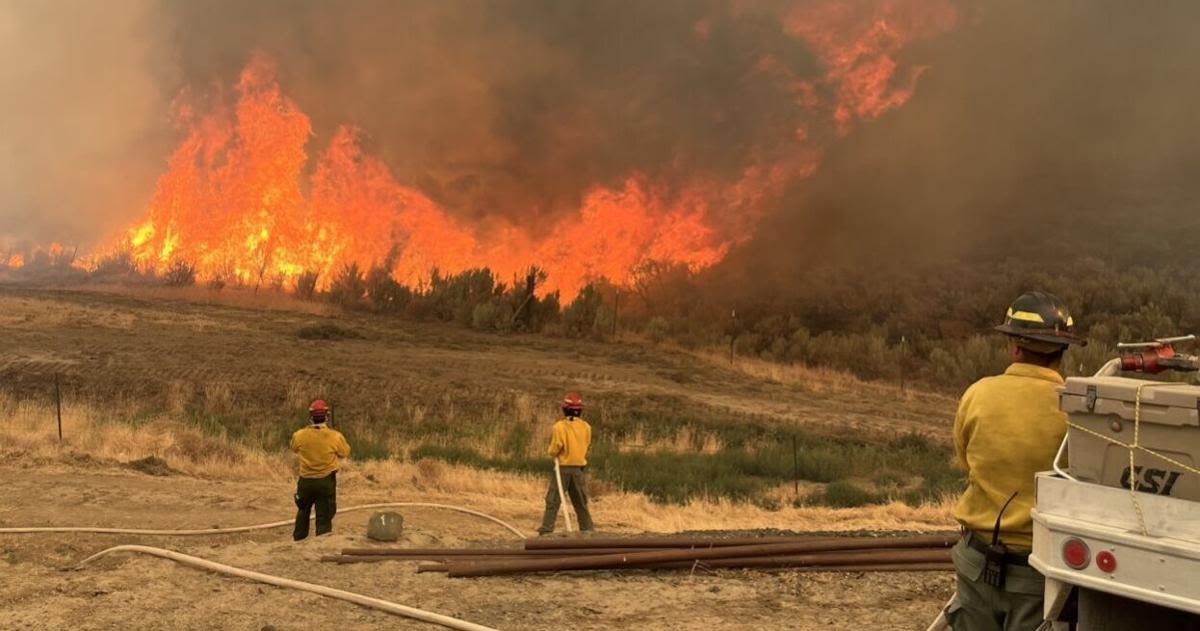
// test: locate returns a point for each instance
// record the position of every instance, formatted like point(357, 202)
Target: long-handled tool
point(562, 497)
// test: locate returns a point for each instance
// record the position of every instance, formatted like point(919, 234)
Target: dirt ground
point(39, 590)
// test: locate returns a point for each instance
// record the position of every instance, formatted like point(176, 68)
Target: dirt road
point(37, 591)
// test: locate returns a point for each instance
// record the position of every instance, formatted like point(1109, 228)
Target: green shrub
point(484, 316)
point(657, 330)
point(516, 442)
point(581, 317)
point(306, 285)
point(384, 293)
point(180, 274)
point(348, 288)
point(115, 265)
point(364, 448)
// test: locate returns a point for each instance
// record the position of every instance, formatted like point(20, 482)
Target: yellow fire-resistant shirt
point(1007, 429)
point(569, 442)
point(318, 448)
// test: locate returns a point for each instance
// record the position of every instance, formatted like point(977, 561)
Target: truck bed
point(1160, 568)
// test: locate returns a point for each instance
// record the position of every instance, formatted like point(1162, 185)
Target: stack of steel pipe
point(545, 554)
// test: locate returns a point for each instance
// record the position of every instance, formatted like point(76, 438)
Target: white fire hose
point(197, 562)
point(274, 524)
point(562, 497)
point(270, 579)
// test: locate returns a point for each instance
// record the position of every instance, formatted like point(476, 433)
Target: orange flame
point(232, 200)
point(858, 48)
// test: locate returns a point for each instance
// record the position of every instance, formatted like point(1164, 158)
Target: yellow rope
point(1136, 446)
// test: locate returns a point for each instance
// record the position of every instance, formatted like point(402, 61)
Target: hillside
point(209, 384)
point(238, 365)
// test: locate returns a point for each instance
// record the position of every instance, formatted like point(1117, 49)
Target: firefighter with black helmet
point(1008, 428)
point(318, 447)
point(569, 442)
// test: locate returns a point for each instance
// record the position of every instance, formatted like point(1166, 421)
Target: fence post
point(795, 468)
point(616, 311)
point(58, 405)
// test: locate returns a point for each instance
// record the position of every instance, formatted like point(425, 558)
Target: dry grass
point(265, 298)
point(686, 440)
point(31, 434)
point(817, 380)
point(91, 438)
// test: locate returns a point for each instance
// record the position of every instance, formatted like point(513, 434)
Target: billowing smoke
point(83, 125)
point(1034, 126)
point(1043, 131)
point(510, 109)
point(516, 107)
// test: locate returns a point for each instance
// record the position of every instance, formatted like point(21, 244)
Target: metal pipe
point(932, 566)
point(448, 552)
point(899, 567)
point(851, 557)
point(615, 561)
point(862, 557)
point(468, 556)
point(344, 559)
point(557, 543)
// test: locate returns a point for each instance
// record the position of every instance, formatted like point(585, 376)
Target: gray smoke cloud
point(83, 125)
point(517, 107)
point(510, 107)
point(1044, 131)
point(1036, 125)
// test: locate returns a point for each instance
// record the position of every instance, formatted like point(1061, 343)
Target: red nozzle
point(1147, 361)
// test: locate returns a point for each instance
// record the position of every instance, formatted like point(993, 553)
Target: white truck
point(1115, 557)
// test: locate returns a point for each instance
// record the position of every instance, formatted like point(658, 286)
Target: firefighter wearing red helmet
point(1007, 429)
point(318, 448)
point(569, 442)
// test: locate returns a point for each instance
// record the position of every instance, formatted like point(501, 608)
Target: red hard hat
point(572, 401)
point(318, 406)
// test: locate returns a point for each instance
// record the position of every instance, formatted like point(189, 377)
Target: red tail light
point(1106, 561)
point(1075, 554)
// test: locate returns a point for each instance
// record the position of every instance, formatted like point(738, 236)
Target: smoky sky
point(1035, 125)
point(515, 108)
point(83, 125)
point(510, 108)
point(1042, 131)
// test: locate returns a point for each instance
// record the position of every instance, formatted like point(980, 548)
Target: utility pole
point(903, 361)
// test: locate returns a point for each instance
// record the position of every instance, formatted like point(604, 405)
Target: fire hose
point(197, 562)
point(275, 524)
point(278, 581)
point(562, 497)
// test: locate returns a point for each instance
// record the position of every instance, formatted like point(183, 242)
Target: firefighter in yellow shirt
point(569, 443)
point(1007, 429)
point(318, 448)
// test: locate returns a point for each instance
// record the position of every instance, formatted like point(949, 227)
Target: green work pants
point(575, 487)
point(980, 607)
point(319, 493)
